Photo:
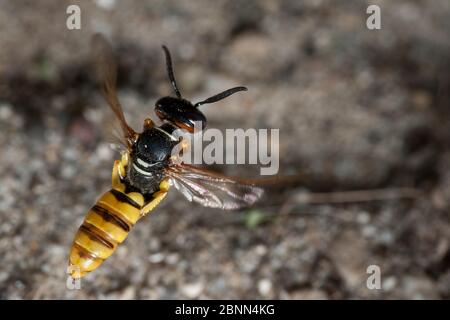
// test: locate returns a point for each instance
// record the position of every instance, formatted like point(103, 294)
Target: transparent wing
point(211, 189)
point(114, 135)
point(106, 71)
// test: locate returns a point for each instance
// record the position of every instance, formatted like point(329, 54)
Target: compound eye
point(180, 113)
point(192, 121)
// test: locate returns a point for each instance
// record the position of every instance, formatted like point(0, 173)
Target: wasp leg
point(148, 124)
point(184, 144)
point(125, 159)
point(158, 196)
point(119, 171)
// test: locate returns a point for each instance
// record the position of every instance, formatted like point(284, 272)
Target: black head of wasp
point(141, 179)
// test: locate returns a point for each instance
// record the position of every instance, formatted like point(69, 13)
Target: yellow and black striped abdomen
point(106, 225)
point(109, 221)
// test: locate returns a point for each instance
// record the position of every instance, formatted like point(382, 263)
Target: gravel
point(356, 109)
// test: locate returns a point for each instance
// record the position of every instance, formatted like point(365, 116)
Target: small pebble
point(265, 287)
point(192, 290)
point(389, 283)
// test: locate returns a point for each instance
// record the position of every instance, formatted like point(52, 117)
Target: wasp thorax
point(148, 158)
point(180, 112)
point(153, 146)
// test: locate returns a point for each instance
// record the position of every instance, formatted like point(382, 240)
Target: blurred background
point(356, 108)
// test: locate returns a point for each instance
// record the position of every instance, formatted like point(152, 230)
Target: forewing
point(212, 190)
point(106, 72)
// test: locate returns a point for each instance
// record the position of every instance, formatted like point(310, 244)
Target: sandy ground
point(357, 109)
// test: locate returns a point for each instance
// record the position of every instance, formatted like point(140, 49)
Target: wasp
point(147, 169)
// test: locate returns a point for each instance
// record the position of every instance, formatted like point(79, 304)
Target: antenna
point(170, 71)
point(220, 96)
